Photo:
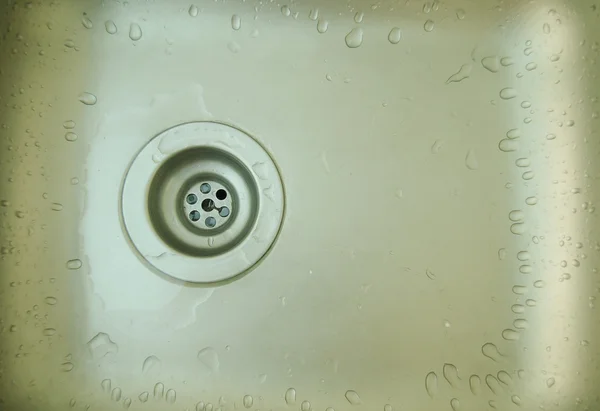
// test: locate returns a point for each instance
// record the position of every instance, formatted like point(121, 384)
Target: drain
point(194, 205)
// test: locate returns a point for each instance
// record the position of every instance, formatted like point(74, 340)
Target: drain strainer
point(202, 202)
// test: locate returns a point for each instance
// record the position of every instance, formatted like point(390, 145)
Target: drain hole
point(208, 205)
point(221, 194)
point(224, 212)
point(191, 199)
point(205, 188)
point(210, 222)
point(195, 215)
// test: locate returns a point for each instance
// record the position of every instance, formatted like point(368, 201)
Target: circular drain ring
point(230, 258)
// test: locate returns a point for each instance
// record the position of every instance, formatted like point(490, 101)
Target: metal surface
point(439, 247)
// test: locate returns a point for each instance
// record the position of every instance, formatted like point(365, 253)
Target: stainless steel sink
point(410, 205)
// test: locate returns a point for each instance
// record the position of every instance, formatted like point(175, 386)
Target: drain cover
point(202, 202)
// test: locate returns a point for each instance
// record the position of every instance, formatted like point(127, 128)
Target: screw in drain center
point(202, 202)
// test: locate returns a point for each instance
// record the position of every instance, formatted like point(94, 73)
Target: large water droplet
point(70, 136)
point(236, 22)
point(475, 384)
point(429, 26)
point(101, 345)
point(493, 384)
point(106, 385)
point(110, 26)
point(322, 26)
point(290, 396)
point(471, 161)
point(313, 14)
point(507, 145)
point(450, 373)
point(508, 93)
point(193, 10)
point(455, 404)
point(522, 162)
point(143, 397)
point(504, 378)
point(518, 308)
point(171, 396)
point(517, 228)
point(354, 38)
point(86, 22)
point(116, 393)
point(491, 351)
point(510, 334)
point(209, 359)
point(463, 73)
point(151, 365)
point(305, 406)
point(88, 98)
point(69, 124)
point(74, 264)
point(491, 63)
point(159, 390)
point(431, 384)
point(285, 10)
point(135, 32)
point(352, 397)
point(395, 35)
point(248, 401)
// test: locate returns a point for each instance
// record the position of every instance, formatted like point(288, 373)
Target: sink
point(364, 205)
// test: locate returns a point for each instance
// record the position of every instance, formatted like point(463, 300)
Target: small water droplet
point(471, 161)
point(322, 26)
point(290, 396)
point(508, 93)
point(70, 136)
point(359, 16)
point(67, 366)
point(151, 365)
point(69, 124)
point(135, 32)
point(460, 14)
point(491, 63)
point(502, 254)
point(50, 300)
point(248, 401)
point(115, 395)
point(386, 407)
point(193, 10)
point(285, 10)
point(395, 35)
point(455, 404)
point(530, 303)
point(510, 334)
point(520, 324)
point(450, 373)
point(261, 170)
point(106, 385)
point(507, 145)
point(550, 382)
point(522, 162)
point(475, 384)
point(87, 23)
point(159, 390)
point(516, 400)
point(546, 28)
point(352, 397)
point(530, 66)
point(431, 384)
point(143, 397)
point(209, 358)
point(491, 351)
point(74, 264)
point(506, 61)
point(463, 73)
point(429, 26)
point(49, 332)
point(528, 175)
point(305, 406)
point(88, 98)
point(313, 14)
point(127, 403)
point(354, 38)
point(236, 22)
point(171, 396)
point(110, 26)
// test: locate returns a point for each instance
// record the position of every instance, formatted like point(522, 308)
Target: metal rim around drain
point(202, 202)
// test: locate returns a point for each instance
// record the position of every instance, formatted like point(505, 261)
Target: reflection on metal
point(437, 249)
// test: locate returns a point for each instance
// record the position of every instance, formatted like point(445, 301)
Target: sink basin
point(408, 220)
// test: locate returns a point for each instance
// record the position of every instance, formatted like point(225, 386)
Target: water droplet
point(519, 289)
point(87, 23)
point(516, 400)
point(159, 390)
point(56, 207)
point(151, 365)
point(530, 66)
point(528, 51)
point(313, 14)
point(261, 170)
point(428, 26)
point(236, 22)
point(539, 284)
point(455, 404)
point(463, 73)
point(493, 384)
point(110, 26)
point(471, 161)
point(69, 124)
point(491, 63)
point(143, 397)
point(322, 26)
point(290, 396)
point(491, 351)
point(127, 403)
point(305, 406)
point(522, 162)
point(135, 32)
point(530, 303)
point(460, 14)
point(550, 382)
point(437, 146)
point(354, 38)
point(431, 384)
point(359, 16)
point(475, 384)
point(88, 98)
point(193, 10)
point(171, 396)
point(352, 397)
point(386, 407)
point(507, 61)
point(101, 346)
point(74, 181)
point(49, 332)
point(209, 358)
point(450, 373)
point(285, 10)
point(510, 334)
point(508, 93)
point(50, 300)
point(550, 136)
point(69, 43)
point(67, 366)
point(395, 35)
point(528, 175)
point(106, 385)
point(74, 264)
point(546, 28)
point(115, 395)
point(520, 324)
point(507, 145)
point(525, 269)
point(248, 401)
